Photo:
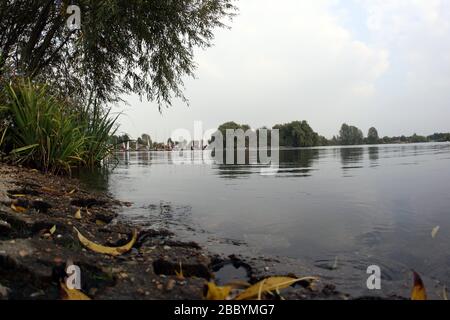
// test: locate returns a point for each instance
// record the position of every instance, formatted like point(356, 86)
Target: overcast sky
point(382, 63)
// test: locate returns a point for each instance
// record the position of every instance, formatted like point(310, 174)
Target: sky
point(382, 63)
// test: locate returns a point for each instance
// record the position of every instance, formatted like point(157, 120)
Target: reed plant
point(51, 134)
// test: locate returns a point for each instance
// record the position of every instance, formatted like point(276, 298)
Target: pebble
point(4, 291)
point(266, 269)
point(167, 248)
point(170, 284)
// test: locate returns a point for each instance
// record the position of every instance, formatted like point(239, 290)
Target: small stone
point(59, 236)
point(147, 293)
point(140, 291)
point(5, 226)
point(23, 253)
point(160, 286)
point(266, 269)
point(170, 284)
point(167, 248)
point(46, 236)
point(4, 292)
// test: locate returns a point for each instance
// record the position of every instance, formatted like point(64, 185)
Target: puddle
point(230, 273)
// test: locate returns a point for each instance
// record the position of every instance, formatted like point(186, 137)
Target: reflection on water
point(337, 209)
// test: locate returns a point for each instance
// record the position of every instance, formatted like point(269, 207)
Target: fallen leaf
point(71, 192)
point(113, 251)
point(418, 292)
point(52, 230)
point(435, 232)
point(100, 223)
point(18, 209)
point(180, 274)
point(217, 293)
point(18, 195)
point(444, 293)
point(72, 294)
point(78, 214)
point(270, 284)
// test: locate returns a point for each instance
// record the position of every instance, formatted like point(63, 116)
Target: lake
point(336, 210)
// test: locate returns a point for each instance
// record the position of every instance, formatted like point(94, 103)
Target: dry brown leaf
point(217, 293)
point(112, 251)
point(72, 294)
point(418, 292)
point(18, 209)
point(270, 284)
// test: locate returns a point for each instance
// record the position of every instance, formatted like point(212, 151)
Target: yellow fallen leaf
point(71, 192)
point(180, 274)
point(72, 294)
point(418, 292)
point(18, 209)
point(53, 230)
point(100, 223)
point(78, 214)
point(217, 293)
point(112, 251)
point(444, 293)
point(435, 231)
point(18, 195)
point(270, 284)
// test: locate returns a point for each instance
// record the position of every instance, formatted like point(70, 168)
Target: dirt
point(33, 260)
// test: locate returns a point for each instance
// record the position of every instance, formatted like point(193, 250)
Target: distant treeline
point(300, 134)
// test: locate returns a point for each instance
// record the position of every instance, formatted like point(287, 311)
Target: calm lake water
point(336, 210)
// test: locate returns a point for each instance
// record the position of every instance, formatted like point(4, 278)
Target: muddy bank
point(38, 215)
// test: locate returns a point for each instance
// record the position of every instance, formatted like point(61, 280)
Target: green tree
point(134, 46)
point(372, 136)
point(350, 135)
point(297, 134)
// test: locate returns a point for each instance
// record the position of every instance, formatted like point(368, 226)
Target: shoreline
point(33, 259)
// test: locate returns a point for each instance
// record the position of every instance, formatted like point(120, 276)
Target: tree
point(134, 46)
point(350, 135)
point(297, 134)
point(146, 140)
point(372, 136)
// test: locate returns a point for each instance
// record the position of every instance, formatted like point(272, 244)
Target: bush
point(51, 135)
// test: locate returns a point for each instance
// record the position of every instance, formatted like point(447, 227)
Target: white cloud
point(288, 60)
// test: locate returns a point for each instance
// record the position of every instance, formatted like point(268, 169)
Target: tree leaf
point(53, 230)
point(270, 284)
point(217, 293)
point(418, 292)
point(72, 294)
point(435, 231)
point(78, 214)
point(18, 209)
point(112, 251)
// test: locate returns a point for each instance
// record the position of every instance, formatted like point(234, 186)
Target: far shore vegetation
point(296, 134)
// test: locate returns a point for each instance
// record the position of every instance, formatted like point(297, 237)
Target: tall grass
point(51, 135)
